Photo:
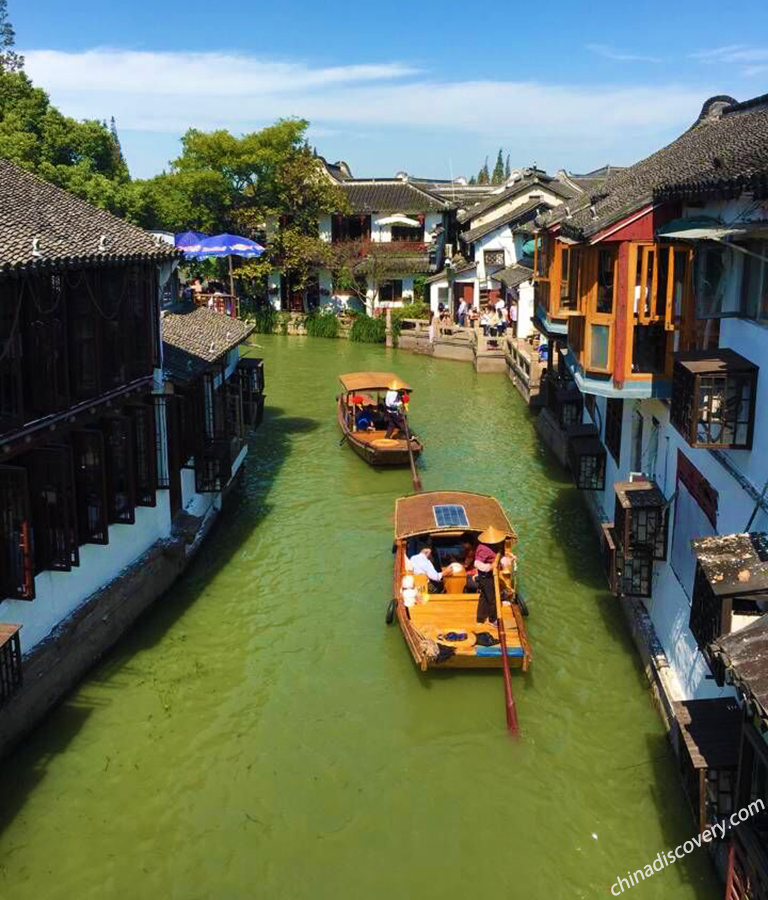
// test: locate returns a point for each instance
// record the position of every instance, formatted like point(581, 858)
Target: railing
point(227, 304)
point(364, 248)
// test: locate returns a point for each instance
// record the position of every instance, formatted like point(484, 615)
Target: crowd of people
point(494, 317)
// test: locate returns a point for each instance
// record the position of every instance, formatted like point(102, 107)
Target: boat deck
point(457, 613)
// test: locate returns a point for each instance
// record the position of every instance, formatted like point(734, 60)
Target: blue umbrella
point(188, 239)
point(221, 245)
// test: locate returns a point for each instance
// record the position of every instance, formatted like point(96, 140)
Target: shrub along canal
point(263, 733)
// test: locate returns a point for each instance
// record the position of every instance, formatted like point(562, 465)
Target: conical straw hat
point(492, 536)
point(396, 385)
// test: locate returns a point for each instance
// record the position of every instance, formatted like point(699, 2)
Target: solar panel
point(451, 516)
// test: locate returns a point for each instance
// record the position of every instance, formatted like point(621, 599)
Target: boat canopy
point(435, 511)
point(371, 381)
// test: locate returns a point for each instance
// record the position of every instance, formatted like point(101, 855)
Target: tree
point(498, 169)
point(507, 170)
point(483, 177)
point(473, 180)
point(10, 61)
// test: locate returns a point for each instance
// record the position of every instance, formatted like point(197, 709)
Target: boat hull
point(374, 448)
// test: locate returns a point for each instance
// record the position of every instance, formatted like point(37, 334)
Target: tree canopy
point(10, 60)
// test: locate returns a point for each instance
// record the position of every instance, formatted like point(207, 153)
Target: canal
point(263, 733)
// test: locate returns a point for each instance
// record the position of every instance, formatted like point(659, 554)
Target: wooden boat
point(360, 390)
point(442, 519)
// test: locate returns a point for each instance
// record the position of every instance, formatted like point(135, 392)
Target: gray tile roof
point(454, 194)
point(392, 195)
point(389, 263)
point(520, 214)
point(41, 225)
point(196, 337)
point(547, 182)
point(514, 275)
point(726, 150)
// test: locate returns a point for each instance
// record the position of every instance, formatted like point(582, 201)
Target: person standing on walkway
point(461, 315)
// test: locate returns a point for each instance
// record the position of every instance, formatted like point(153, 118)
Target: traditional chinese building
point(653, 292)
point(112, 435)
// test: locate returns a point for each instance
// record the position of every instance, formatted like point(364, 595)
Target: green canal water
point(262, 733)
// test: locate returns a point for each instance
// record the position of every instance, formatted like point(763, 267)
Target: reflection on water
point(262, 733)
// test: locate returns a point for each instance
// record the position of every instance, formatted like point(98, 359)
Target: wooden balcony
point(226, 304)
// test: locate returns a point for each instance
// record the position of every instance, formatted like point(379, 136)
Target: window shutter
point(88, 446)
point(121, 477)
point(16, 558)
point(54, 512)
point(145, 457)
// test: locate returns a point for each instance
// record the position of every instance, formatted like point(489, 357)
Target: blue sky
point(428, 88)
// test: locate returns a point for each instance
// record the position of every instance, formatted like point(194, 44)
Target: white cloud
point(752, 60)
point(620, 55)
point(170, 92)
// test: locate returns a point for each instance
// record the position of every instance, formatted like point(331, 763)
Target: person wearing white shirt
point(461, 314)
point(393, 405)
point(421, 564)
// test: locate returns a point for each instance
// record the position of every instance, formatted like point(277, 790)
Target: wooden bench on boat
point(367, 388)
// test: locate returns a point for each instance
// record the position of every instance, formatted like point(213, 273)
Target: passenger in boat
point(467, 556)
point(366, 418)
point(421, 564)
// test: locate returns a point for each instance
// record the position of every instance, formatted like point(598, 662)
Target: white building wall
point(525, 310)
point(58, 594)
point(501, 239)
point(670, 604)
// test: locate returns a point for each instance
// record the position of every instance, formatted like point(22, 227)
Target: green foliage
point(366, 330)
point(10, 61)
point(419, 288)
point(483, 176)
point(498, 169)
point(264, 320)
point(80, 157)
point(414, 310)
point(473, 180)
point(323, 323)
point(507, 170)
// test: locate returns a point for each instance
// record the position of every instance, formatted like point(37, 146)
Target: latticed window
point(213, 467)
point(642, 516)
point(161, 442)
point(252, 385)
point(10, 661)
point(16, 563)
point(54, 508)
point(627, 576)
point(11, 380)
point(90, 481)
point(121, 483)
point(145, 457)
point(587, 459)
point(494, 259)
point(713, 399)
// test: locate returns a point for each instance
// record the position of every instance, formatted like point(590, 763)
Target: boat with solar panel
point(443, 620)
point(380, 436)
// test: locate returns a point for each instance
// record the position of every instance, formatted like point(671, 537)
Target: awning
point(399, 219)
point(708, 229)
point(415, 513)
point(370, 381)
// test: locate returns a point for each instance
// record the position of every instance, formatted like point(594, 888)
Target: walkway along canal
point(262, 733)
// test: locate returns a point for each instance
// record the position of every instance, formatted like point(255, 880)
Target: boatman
point(489, 547)
point(393, 405)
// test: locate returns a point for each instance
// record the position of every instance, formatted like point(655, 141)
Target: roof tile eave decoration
point(370, 196)
point(42, 225)
point(724, 152)
point(198, 337)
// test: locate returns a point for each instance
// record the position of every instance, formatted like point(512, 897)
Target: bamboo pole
point(512, 723)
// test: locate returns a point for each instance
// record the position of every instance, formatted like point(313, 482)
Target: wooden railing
point(227, 304)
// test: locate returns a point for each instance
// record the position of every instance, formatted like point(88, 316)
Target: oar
point(508, 695)
point(414, 474)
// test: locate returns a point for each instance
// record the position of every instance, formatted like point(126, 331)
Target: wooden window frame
point(493, 265)
point(11, 667)
point(590, 263)
point(145, 453)
point(682, 324)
